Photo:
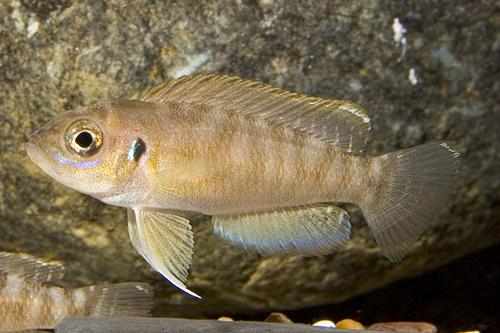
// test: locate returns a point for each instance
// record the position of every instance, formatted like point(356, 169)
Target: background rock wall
point(423, 70)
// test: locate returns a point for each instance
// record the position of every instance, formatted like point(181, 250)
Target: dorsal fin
point(30, 268)
point(341, 123)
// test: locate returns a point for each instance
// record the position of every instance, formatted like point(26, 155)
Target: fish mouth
point(33, 138)
point(32, 147)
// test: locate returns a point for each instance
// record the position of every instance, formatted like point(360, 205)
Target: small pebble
point(404, 326)
point(278, 317)
point(350, 324)
point(324, 323)
point(225, 319)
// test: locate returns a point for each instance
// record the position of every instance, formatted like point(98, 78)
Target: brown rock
point(61, 54)
point(278, 317)
point(404, 326)
point(174, 325)
point(349, 324)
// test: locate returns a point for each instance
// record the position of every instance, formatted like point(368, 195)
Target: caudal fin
point(122, 299)
point(414, 185)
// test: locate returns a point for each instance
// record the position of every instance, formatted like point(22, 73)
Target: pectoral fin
point(132, 231)
point(30, 268)
point(308, 230)
point(165, 241)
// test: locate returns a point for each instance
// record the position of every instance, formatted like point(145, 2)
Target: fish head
point(81, 148)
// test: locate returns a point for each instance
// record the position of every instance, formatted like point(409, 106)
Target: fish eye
point(83, 137)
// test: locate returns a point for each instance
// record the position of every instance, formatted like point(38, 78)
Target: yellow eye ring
point(83, 137)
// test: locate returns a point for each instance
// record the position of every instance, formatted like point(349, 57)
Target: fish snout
point(33, 141)
point(32, 146)
point(33, 138)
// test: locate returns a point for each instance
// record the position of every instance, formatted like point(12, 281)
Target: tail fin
point(415, 185)
point(122, 299)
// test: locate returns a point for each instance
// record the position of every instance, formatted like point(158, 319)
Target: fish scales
point(268, 165)
point(32, 305)
point(277, 166)
point(29, 300)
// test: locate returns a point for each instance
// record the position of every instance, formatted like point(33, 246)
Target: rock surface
point(349, 324)
point(174, 325)
point(406, 327)
point(423, 70)
point(278, 317)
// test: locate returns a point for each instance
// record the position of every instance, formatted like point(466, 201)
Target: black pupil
point(84, 139)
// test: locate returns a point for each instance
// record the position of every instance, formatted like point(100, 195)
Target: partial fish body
point(29, 301)
point(265, 163)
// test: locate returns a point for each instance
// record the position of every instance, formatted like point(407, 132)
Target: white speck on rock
point(90, 50)
point(399, 34)
point(193, 64)
point(17, 17)
point(412, 76)
point(33, 25)
point(324, 323)
point(355, 85)
point(55, 66)
point(51, 69)
point(399, 31)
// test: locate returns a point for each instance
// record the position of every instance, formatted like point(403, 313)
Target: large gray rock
point(423, 71)
point(174, 325)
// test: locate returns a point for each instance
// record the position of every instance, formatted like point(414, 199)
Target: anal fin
point(307, 230)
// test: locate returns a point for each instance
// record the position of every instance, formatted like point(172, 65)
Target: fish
point(269, 166)
point(30, 298)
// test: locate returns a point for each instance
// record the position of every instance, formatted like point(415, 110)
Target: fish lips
point(44, 140)
point(33, 146)
point(38, 154)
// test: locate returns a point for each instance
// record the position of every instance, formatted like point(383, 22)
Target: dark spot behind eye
point(84, 139)
point(137, 148)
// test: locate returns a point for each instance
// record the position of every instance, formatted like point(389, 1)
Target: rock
point(435, 81)
point(174, 325)
point(324, 323)
point(349, 324)
point(223, 318)
point(404, 326)
point(278, 317)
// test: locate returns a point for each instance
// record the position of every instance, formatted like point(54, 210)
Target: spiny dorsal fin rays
point(30, 268)
point(166, 243)
point(342, 124)
point(307, 230)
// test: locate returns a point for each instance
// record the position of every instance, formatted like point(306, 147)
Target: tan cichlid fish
point(267, 164)
point(28, 300)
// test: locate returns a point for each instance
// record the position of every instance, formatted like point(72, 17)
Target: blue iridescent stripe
point(77, 164)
